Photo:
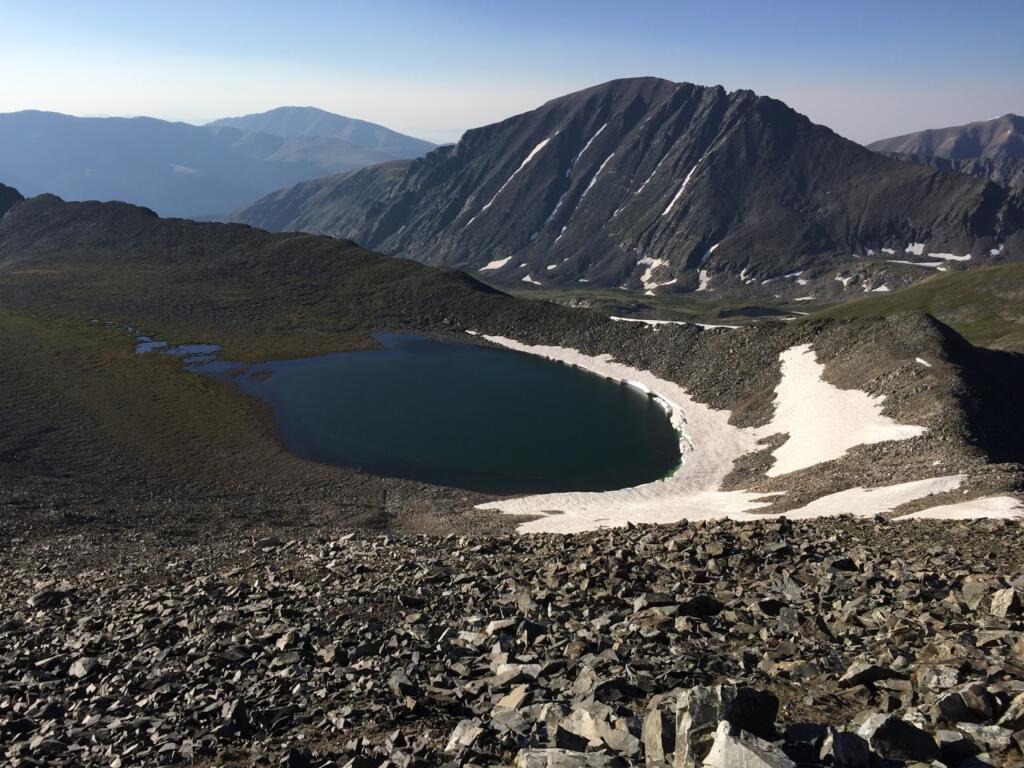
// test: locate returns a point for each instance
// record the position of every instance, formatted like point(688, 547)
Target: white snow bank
point(923, 362)
point(707, 254)
point(709, 445)
point(647, 278)
point(704, 279)
point(529, 279)
point(823, 422)
point(867, 502)
point(949, 256)
point(529, 157)
point(880, 289)
point(915, 248)
point(844, 280)
point(928, 264)
point(990, 507)
point(692, 489)
point(585, 148)
point(656, 323)
point(685, 184)
point(594, 179)
point(496, 264)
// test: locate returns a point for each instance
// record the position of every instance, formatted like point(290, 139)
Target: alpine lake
point(456, 414)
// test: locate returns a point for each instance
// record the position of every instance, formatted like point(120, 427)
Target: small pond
point(456, 414)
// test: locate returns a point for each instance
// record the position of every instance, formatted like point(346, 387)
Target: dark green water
point(461, 415)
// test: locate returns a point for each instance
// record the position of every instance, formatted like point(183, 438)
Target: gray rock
point(846, 749)
point(700, 710)
point(733, 748)
point(560, 758)
point(1006, 602)
point(464, 736)
point(896, 739)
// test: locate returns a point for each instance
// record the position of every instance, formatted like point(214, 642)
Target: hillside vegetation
point(986, 306)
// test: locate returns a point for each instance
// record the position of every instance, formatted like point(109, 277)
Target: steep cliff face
point(649, 184)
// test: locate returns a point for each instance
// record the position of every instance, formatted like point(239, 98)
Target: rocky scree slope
point(648, 184)
point(770, 645)
point(989, 149)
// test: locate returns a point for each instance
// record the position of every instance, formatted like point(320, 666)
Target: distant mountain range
point(178, 169)
point(313, 123)
point(990, 149)
point(653, 185)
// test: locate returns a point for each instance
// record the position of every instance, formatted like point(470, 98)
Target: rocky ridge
point(656, 186)
point(990, 149)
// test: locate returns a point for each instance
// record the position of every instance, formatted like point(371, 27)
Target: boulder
point(896, 739)
point(734, 748)
point(700, 710)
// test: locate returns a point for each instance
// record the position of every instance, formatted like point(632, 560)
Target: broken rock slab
point(734, 748)
point(563, 758)
point(699, 711)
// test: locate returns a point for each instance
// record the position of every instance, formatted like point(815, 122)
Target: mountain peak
point(645, 184)
point(313, 122)
point(9, 197)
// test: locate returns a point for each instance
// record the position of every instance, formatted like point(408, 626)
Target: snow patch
point(594, 179)
point(890, 251)
point(647, 278)
point(656, 323)
point(704, 280)
point(682, 188)
point(923, 362)
point(709, 445)
point(915, 248)
point(823, 422)
point(528, 279)
point(929, 264)
point(804, 298)
point(585, 148)
point(1005, 507)
point(707, 254)
point(844, 280)
point(949, 256)
point(995, 251)
point(648, 179)
point(880, 289)
point(529, 157)
point(496, 264)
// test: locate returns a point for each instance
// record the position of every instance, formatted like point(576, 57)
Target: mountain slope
point(310, 122)
point(644, 183)
point(986, 306)
point(990, 149)
point(8, 197)
point(175, 169)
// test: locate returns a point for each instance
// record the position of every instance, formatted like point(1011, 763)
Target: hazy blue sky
point(868, 69)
